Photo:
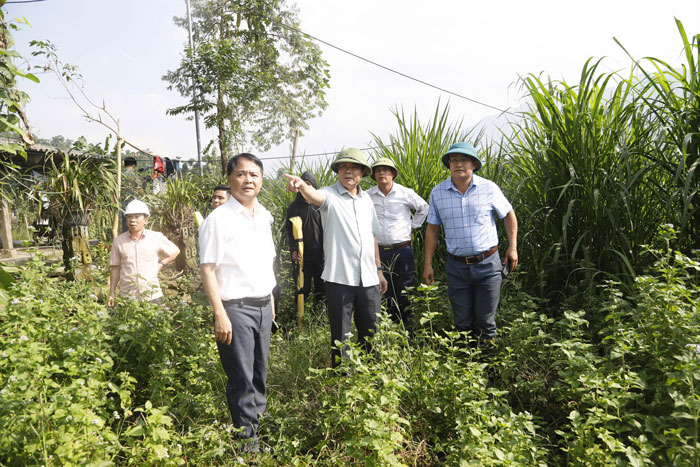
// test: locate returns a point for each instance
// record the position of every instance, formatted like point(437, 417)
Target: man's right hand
point(293, 183)
point(295, 256)
point(110, 300)
point(428, 275)
point(222, 328)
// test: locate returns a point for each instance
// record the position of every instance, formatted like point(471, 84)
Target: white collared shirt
point(349, 227)
point(394, 213)
point(241, 248)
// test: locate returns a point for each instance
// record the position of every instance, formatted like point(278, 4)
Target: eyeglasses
point(349, 165)
point(460, 159)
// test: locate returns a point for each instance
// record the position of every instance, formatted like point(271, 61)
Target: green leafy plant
point(13, 119)
point(79, 181)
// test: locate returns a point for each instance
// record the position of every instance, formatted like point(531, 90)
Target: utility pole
point(194, 91)
point(294, 151)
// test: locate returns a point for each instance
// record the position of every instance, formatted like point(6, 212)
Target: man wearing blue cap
point(464, 205)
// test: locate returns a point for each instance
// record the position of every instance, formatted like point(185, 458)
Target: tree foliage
point(251, 73)
point(13, 119)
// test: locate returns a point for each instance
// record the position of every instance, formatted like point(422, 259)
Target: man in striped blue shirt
point(464, 205)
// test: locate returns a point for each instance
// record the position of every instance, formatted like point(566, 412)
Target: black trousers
point(312, 274)
point(342, 301)
point(399, 275)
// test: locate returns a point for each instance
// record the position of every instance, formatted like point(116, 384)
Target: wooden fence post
point(8, 249)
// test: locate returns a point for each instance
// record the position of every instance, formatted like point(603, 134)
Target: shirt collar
point(376, 189)
point(342, 190)
point(238, 208)
point(476, 180)
point(144, 234)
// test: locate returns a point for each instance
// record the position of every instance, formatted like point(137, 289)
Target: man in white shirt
point(352, 270)
point(221, 195)
point(394, 204)
point(236, 254)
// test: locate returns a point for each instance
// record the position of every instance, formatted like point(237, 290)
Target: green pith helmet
point(354, 156)
point(384, 162)
point(461, 148)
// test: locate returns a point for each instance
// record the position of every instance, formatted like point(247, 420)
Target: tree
point(13, 119)
point(251, 74)
point(72, 82)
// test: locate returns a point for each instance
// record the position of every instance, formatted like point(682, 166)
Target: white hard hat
point(137, 207)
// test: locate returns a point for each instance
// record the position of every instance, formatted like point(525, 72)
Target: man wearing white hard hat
point(137, 256)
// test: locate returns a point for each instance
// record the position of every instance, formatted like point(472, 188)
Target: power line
point(317, 154)
point(25, 1)
point(395, 71)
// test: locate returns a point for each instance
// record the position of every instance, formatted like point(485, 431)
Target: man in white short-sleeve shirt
point(236, 255)
point(394, 204)
point(352, 270)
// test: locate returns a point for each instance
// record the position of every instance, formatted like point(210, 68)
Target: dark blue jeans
point(474, 291)
point(245, 363)
point(399, 275)
point(342, 300)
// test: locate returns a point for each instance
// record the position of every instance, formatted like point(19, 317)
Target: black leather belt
point(251, 301)
point(395, 245)
point(476, 258)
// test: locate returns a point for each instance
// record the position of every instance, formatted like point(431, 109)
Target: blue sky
point(478, 49)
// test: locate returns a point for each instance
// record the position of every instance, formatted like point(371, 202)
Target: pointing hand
point(293, 183)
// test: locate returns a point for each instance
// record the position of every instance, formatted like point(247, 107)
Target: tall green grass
point(417, 148)
point(581, 179)
point(671, 106)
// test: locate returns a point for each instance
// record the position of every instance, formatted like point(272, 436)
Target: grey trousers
point(341, 300)
point(245, 363)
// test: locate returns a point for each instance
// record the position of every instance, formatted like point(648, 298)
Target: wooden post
point(117, 195)
point(8, 248)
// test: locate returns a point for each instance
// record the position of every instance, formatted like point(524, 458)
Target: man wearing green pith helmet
point(400, 211)
point(352, 271)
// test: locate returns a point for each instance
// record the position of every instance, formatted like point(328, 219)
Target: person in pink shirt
point(137, 257)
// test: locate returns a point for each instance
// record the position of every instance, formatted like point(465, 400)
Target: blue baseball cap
point(461, 148)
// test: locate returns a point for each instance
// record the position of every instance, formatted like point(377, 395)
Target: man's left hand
point(512, 256)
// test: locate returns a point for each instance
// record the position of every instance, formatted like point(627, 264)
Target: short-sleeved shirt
point(241, 248)
point(470, 228)
point(394, 213)
point(138, 260)
point(349, 226)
